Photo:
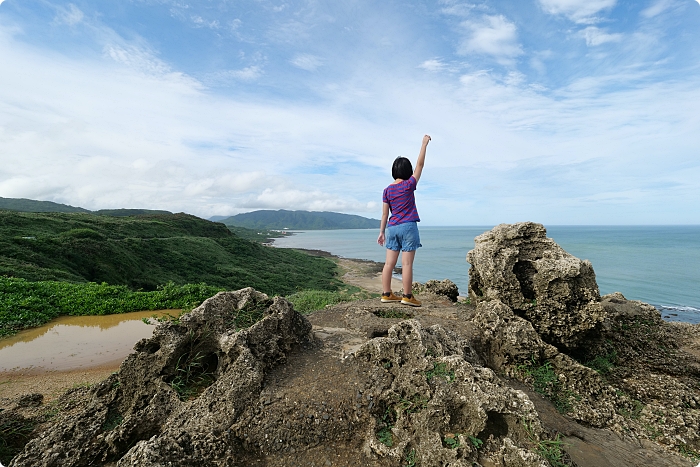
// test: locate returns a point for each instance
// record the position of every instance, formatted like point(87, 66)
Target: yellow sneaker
point(410, 301)
point(391, 298)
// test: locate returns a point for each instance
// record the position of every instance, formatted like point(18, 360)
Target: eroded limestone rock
point(557, 292)
point(174, 398)
point(437, 404)
point(510, 345)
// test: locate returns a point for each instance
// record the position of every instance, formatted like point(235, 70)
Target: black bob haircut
point(402, 168)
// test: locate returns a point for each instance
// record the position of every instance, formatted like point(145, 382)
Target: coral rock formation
point(557, 292)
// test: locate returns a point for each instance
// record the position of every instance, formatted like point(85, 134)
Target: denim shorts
point(404, 237)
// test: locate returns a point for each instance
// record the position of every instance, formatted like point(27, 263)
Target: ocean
point(659, 265)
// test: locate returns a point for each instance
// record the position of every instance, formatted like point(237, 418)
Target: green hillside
point(300, 220)
point(147, 251)
point(29, 205)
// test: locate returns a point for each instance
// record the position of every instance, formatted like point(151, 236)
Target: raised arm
point(421, 158)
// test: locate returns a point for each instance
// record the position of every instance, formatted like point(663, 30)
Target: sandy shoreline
point(362, 273)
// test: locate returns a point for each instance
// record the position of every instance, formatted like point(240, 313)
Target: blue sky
point(555, 111)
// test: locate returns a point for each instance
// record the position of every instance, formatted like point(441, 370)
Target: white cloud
point(249, 73)
point(456, 7)
point(433, 65)
point(316, 200)
point(493, 35)
point(136, 58)
point(227, 184)
point(307, 62)
point(202, 23)
point(656, 8)
point(579, 11)
point(70, 16)
point(128, 130)
point(595, 36)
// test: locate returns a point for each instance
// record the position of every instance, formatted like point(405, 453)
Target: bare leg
point(407, 270)
point(391, 258)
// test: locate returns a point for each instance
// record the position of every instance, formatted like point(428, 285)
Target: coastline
point(362, 273)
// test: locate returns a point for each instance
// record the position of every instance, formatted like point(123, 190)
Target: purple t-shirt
point(402, 201)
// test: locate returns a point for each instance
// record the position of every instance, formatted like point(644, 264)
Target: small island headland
point(535, 368)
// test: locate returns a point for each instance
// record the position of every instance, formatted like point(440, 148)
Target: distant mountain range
point(30, 205)
point(259, 220)
point(298, 220)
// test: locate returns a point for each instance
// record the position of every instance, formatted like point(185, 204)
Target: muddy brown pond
point(75, 342)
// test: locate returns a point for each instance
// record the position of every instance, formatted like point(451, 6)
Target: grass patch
point(440, 370)
point(635, 412)
point(451, 440)
point(392, 313)
point(14, 434)
point(603, 363)
point(195, 369)
point(113, 420)
point(687, 451)
point(545, 382)
point(552, 450)
point(249, 314)
point(385, 422)
point(412, 405)
point(411, 458)
point(306, 301)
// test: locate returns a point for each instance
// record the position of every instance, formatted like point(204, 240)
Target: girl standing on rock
point(402, 228)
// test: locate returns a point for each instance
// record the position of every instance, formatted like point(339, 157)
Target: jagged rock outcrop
point(174, 399)
point(444, 288)
point(200, 392)
point(435, 401)
point(557, 292)
point(511, 346)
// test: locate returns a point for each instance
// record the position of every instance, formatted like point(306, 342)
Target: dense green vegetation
point(54, 264)
point(147, 251)
point(27, 304)
point(307, 301)
point(255, 235)
point(300, 220)
point(29, 205)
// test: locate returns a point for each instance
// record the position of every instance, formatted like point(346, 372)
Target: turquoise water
point(659, 265)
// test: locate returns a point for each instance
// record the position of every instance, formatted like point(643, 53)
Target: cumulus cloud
point(169, 142)
point(492, 35)
point(315, 200)
point(579, 11)
point(307, 62)
point(595, 36)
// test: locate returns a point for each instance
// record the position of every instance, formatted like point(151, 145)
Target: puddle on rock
point(74, 342)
